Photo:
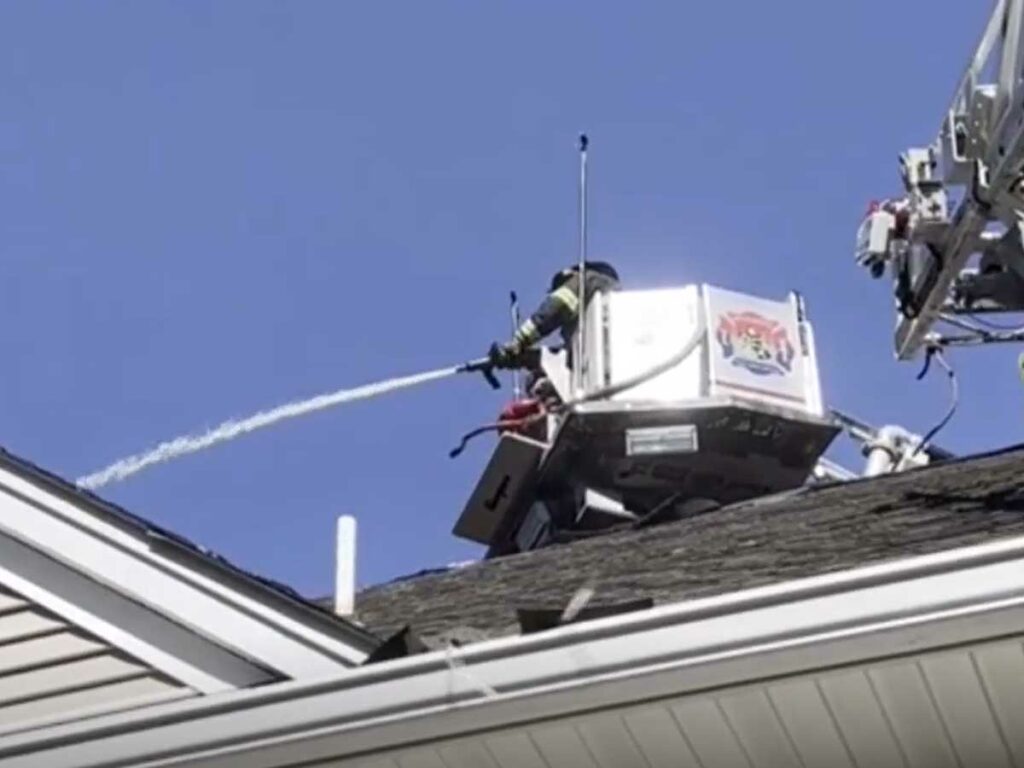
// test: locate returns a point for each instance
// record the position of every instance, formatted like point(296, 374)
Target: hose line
point(652, 373)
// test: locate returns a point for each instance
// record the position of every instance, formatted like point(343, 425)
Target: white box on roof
point(753, 348)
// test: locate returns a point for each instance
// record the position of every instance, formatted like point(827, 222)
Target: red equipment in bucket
point(514, 417)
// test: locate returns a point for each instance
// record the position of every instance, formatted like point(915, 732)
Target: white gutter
point(878, 611)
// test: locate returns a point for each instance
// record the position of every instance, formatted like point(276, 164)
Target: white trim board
point(124, 624)
point(254, 634)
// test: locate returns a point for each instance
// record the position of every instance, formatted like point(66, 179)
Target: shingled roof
point(804, 533)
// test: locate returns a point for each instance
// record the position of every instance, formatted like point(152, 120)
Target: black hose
point(498, 426)
point(995, 326)
point(954, 400)
point(454, 452)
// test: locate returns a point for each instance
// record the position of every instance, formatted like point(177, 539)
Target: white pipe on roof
point(345, 567)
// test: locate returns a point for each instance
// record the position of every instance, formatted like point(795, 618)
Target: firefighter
point(558, 312)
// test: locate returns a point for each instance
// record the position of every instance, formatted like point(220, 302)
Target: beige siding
point(26, 623)
point(50, 669)
point(9, 602)
point(88, 702)
point(46, 650)
point(66, 676)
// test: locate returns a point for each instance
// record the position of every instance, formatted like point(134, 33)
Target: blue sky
point(211, 208)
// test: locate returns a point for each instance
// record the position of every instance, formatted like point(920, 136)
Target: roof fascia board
point(928, 603)
point(335, 636)
point(125, 624)
point(250, 627)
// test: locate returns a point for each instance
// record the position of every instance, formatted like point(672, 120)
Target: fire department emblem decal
point(755, 343)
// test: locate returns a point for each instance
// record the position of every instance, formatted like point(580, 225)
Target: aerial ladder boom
point(953, 242)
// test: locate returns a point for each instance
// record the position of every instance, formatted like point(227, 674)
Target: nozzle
point(486, 367)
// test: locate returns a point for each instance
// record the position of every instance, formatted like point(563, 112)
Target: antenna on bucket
point(578, 376)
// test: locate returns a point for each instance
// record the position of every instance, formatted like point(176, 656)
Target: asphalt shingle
point(817, 530)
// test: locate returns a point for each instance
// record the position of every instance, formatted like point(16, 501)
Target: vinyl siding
point(51, 670)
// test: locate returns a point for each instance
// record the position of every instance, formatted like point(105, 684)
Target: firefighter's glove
point(508, 355)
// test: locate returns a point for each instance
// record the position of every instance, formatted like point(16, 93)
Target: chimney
point(345, 567)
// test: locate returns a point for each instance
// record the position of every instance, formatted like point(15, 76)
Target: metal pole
point(517, 390)
point(581, 332)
